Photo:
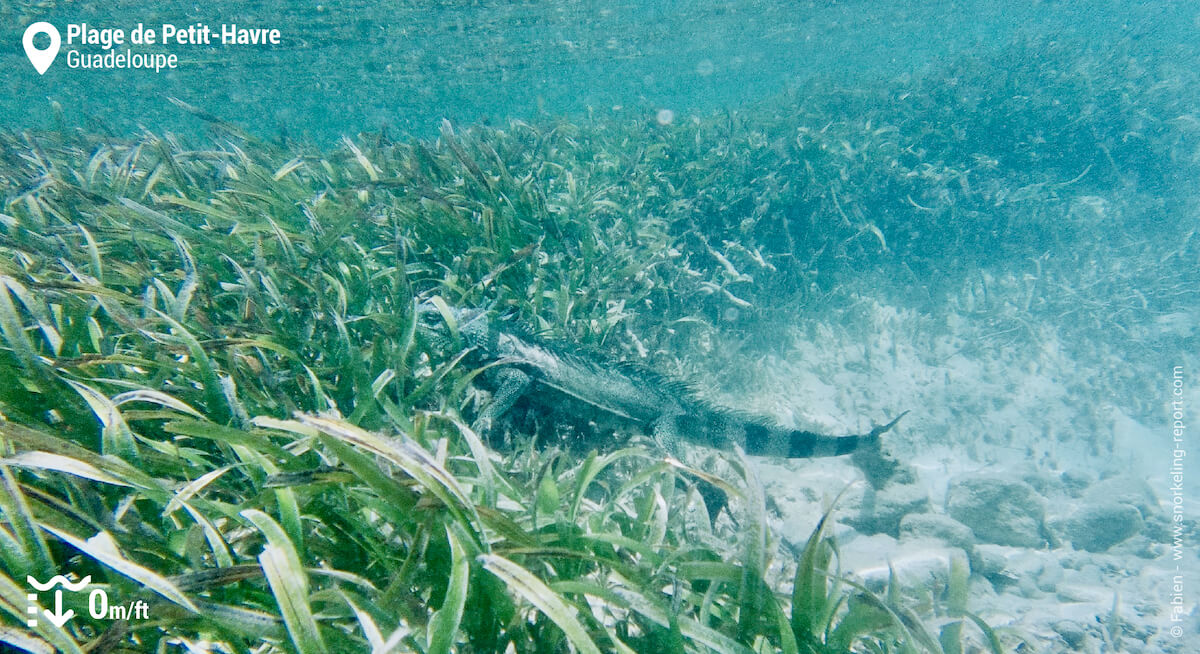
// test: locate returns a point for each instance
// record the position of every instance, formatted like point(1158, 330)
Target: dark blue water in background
point(351, 66)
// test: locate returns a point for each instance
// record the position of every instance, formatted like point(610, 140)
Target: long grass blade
point(60, 463)
point(444, 625)
point(289, 583)
point(416, 463)
point(36, 306)
point(539, 594)
point(117, 438)
point(16, 509)
point(103, 548)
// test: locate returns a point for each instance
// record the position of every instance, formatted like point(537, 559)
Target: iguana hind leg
point(668, 432)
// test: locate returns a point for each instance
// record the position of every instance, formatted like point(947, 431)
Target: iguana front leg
point(666, 431)
point(511, 384)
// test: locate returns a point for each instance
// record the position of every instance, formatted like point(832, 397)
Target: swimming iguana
point(666, 410)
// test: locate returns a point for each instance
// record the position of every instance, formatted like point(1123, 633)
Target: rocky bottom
point(1066, 561)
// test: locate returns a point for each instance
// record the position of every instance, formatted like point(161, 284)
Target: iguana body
point(645, 400)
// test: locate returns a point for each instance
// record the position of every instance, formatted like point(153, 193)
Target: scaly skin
point(648, 402)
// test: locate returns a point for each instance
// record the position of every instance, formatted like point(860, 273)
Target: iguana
point(665, 409)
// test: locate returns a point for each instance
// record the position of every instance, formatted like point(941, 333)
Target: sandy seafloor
point(1018, 403)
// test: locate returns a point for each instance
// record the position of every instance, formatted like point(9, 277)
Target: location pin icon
point(41, 59)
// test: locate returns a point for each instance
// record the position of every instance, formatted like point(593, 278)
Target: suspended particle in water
point(705, 68)
point(665, 116)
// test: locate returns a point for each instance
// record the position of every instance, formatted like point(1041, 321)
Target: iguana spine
point(660, 406)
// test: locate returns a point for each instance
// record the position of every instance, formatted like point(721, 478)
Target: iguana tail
point(762, 440)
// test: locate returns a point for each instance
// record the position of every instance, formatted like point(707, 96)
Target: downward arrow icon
point(58, 617)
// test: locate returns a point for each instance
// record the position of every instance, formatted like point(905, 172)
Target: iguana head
point(449, 327)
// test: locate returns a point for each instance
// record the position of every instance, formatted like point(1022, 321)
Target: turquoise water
point(985, 213)
point(345, 67)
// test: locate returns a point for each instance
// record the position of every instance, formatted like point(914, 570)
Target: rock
point(1124, 489)
point(1046, 484)
point(1077, 481)
point(1085, 593)
point(1157, 527)
point(1140, 546)
point(998, 509)
point(936, 526)
point(917, 564)
point(1097, 527)
point(880, 511)
point(990, 560)
point(1030, 572)
point(1072, 632)
point(1050, 576)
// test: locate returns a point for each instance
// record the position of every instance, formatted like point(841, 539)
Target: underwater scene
point(746, 326)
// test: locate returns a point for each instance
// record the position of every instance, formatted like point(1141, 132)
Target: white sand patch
point(996, 394)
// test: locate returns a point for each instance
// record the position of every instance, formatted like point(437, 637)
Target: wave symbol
point(60, 579)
